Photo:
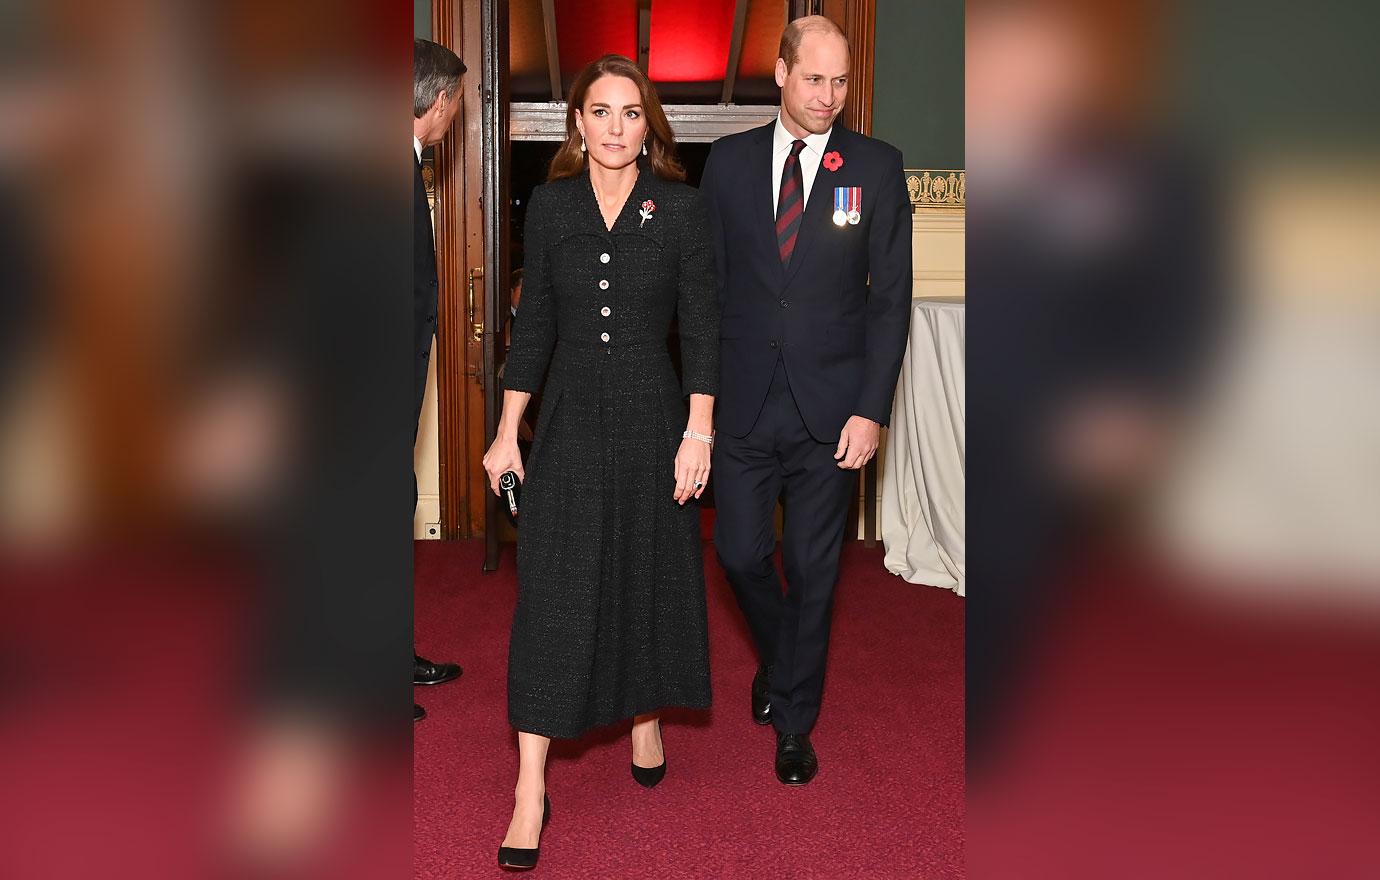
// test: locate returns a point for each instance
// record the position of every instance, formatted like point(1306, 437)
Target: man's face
point(441, 115)
point(813, 91)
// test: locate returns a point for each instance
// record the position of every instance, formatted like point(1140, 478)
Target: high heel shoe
point(648, 777)
point(516, 858)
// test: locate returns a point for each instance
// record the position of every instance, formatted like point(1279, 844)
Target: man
point(804, 213)
point(436, 73)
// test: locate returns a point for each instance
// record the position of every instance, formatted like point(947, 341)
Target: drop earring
point(644, 148)
point(582, 145)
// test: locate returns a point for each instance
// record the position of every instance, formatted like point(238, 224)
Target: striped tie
point(790, 204)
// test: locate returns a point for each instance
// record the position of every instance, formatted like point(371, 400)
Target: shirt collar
point(781, 139)
point(417, 147)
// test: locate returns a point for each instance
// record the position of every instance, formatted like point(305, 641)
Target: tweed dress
point(610, 619)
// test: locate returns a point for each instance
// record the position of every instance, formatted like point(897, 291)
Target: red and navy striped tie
point(790, 204)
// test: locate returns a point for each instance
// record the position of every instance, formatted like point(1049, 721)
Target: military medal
point(840, 205)
point(847, 205)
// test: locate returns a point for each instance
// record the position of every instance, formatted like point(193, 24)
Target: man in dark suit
point(812, 239)
point(436, 73)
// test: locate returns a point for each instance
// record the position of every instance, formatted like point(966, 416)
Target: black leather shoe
point(648, 777)
point(796, 763)
point(515, 858)
point(761, 695)
point(418, 713)
point(426, 672)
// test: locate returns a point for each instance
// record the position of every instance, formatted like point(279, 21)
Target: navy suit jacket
point(838, 313)
point(425, 301)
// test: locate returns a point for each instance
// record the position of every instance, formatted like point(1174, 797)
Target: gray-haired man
point(436, 73)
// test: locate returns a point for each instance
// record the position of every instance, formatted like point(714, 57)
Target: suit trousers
point(778, 459)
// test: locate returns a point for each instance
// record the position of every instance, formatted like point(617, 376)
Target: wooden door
point(468, 178)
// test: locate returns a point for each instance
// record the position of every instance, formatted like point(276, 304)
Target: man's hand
point(857, 443)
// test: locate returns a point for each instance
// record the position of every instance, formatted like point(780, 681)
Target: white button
point(604, 337)
point(604, 285)
point(603, 258)
point(606, 311)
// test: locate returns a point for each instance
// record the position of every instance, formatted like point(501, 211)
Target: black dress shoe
point(796, 763)
point(426, 672)
point(761, 695)
point(515, 858)
point(418, 713)
point(648, 777)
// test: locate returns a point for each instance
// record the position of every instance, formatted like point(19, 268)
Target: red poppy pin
point(833, 161)
point(646, 213)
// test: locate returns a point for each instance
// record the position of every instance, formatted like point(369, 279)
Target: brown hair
point(661, 142)
point(791, 37)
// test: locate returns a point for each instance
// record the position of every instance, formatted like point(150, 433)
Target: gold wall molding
point(936, 188)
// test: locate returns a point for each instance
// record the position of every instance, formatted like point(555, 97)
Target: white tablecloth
point(923, 483)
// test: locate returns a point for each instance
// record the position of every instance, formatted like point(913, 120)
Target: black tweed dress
point(610, 619)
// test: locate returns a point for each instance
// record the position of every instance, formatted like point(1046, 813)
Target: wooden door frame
point(858, 18)
point(497, 218)
point(460, 258)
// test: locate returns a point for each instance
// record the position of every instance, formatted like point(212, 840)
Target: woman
point(610, 621)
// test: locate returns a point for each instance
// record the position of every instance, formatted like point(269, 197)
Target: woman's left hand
point(692, 469)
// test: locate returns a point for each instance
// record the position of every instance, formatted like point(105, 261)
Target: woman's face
point(613, 122)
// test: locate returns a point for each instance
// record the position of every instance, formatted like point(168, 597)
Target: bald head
point(813, 26)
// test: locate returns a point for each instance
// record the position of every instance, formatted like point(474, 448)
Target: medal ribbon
point(840, 198)
point(855, 199)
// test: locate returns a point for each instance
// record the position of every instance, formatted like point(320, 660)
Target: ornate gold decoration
point(429, 180)
point(933, 188)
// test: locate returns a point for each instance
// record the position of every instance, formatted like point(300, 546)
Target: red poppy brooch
point(833, 161)
point(646, 213)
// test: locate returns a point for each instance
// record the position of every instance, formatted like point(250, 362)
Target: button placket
point(605, 311)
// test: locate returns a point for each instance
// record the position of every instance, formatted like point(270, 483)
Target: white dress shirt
point(810, 157)
point(417, 147)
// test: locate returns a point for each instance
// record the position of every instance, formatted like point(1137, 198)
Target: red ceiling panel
point(690, 41)
point(588, 29)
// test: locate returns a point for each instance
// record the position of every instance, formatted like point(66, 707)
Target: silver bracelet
point(703, 438)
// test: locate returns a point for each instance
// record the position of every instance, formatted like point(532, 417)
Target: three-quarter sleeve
point(697, 306)
point(534, 328)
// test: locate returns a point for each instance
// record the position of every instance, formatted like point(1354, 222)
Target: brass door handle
point(477, 328)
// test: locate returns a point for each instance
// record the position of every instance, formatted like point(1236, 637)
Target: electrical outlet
point(432, 531)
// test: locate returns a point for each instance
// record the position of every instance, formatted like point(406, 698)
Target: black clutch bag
point(508, 490)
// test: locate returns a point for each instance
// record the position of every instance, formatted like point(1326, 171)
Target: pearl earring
point(582, 145)
point(644, 148)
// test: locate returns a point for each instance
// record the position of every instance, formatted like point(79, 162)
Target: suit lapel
point(760, 200)
point(817, 208)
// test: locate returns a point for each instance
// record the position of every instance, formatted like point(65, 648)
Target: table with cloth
point(923, 481)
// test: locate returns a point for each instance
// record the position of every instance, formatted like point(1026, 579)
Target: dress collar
point(643, 188)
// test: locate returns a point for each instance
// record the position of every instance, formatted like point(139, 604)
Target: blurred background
point(199, 669)
point(1172, 484)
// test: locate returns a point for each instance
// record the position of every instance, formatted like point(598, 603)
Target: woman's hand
point(692, 466)
point(503, 456)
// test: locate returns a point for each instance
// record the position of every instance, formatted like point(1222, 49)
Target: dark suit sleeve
point(888, 296)
point(534, 336)
point(697, 307)
point(709, 182)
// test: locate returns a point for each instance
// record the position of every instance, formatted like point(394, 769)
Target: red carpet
point(894, 691)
